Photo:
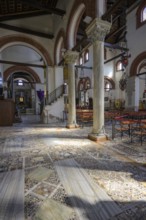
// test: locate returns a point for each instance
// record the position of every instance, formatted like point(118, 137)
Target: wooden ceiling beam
point(26, 31)
point(115, 46)
point(120, 55)
point(23, 15)
point(22, 64)
point(38, 5)
point(112, 34)
point(114, 8)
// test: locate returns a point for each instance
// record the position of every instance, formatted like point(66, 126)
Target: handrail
point(54, 95)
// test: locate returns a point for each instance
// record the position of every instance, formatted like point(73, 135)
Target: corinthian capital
point(98, 29)
point(71, 56)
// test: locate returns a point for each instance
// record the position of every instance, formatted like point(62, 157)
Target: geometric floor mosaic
point(117, 166)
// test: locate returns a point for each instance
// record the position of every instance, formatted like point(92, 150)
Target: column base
point(71, 126)
point(97, 138)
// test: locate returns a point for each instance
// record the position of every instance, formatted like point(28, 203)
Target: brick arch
point(11, 40)
point(76, 5)
point(26, 69)
point(89, 10)
point(60, 34)
point(136, 62)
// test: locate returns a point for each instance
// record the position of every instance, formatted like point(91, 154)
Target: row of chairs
point(134, 129)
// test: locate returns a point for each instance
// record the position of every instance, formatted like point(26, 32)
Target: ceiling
point(116, 13)
point(38, 18)
point(12, 12)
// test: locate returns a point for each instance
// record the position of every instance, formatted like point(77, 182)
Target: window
point(86, 56)
point(1, 81)
point(81, 60)
point(107, 86)
point(141, 15)
point(144, 15)
point(119, 66)
point(20, 82)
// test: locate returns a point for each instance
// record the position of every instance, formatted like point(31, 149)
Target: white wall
point(55, 109)
point(51, 79)
point(58, 71)
point(135, 37)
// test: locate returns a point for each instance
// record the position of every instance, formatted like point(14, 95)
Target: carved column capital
point(97, 30)
point(71, 56)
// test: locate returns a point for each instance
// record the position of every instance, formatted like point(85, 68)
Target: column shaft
point(71, 96)
point(97, 31)
point(98, 91)
point(70, 58)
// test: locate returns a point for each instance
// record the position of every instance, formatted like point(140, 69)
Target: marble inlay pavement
point(116, 166)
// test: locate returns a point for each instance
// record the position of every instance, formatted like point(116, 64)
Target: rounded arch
point(110, 80)
point(59, 44)
point(26, 69)
point(139, 22)
point(17, 39)
point(73, 23)
point(79, 8)
point(135, 64)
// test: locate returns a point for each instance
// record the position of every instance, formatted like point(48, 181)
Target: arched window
point(141, 14)
point(20, 82)
point(86, 56)
point(144, 14)
point(119, 66)
point(81, 60)
point(107, 86)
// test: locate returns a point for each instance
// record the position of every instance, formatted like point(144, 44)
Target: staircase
point(54, 95)
point(53, 110)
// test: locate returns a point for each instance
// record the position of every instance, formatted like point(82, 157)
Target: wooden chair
point(139, 132)
point(118, 127)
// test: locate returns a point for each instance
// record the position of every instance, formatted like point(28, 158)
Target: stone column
point(47, 84)
point(70, 59)
point(100, 8)
point(97, 31)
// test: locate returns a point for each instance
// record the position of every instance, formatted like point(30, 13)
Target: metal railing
point(54, 95)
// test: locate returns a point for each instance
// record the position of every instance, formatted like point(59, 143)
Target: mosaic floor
point(117, 166)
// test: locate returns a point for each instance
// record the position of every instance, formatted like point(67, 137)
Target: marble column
point(70, 59)
point(47, 83)
point(96, 32)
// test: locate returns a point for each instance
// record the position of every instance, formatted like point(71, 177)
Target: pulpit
point(7, 112)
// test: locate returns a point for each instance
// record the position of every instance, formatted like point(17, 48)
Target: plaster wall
point(136, 44)
point(135, 37)
point(58, 71)
point(46, 43)
point(51, 79)
point(56, 110)
point(61, 22)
